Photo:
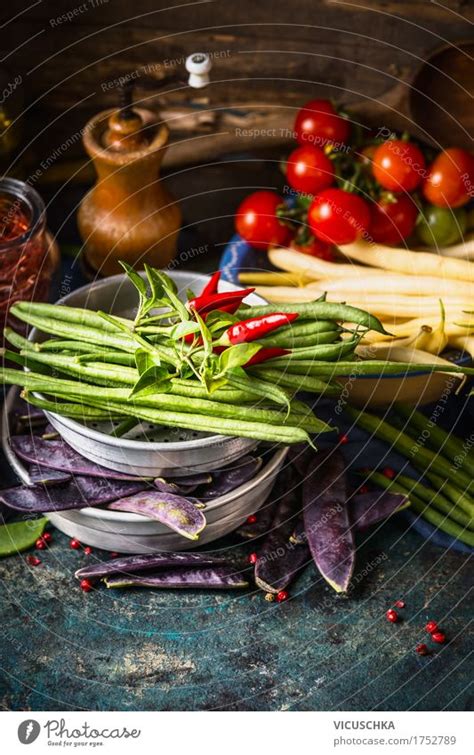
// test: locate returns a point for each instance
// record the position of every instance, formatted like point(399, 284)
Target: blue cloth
point(236, 254)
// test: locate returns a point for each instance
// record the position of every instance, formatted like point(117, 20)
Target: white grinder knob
point(198, 65)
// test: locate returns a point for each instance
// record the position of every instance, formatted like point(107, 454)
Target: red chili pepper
point(261, 356)
point(189, 338)
point(205, 304)
point(257, 327)
point(212, 285)
point(266, 353)
point(231, 308)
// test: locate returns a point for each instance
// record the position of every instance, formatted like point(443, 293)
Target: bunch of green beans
point(436, 510)
point(447, 502)
point(421, 427)
point(161, 409)
point(96, 361)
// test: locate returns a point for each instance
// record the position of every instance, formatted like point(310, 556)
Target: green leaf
point(156, 286)
point(205, 335)
point(136, 279)
point(218, 320)
point(214, 383)
point(19, 536)
point(146, 361)
point(167, 282)
point(154, 380)
point(237, 356)
point(171, 293)
point(183, 329)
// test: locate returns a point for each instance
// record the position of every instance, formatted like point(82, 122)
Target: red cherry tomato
point(308, 170)
point(337, 217)
point(398, 165)
point(450, 181)
point(315, 248)
point(318, 123)
point(391, 222)
point(256, 220)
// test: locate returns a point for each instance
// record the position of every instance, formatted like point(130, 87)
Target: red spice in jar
point(26, 255)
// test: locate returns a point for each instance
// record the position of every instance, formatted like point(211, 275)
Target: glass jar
point(11, 117)
point(28, 255)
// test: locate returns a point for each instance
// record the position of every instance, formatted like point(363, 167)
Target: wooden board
point(269, 57)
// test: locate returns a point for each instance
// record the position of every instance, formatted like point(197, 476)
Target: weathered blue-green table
point(151, 650)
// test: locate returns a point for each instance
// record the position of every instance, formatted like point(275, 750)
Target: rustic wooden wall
point(270, 56)
point(268, 52)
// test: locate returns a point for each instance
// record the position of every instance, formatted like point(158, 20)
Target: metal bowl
point(147, 450)
point(132, 533)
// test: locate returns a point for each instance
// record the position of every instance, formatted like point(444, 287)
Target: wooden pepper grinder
point(128, 214)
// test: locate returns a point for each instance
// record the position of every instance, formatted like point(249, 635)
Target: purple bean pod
point(216, 578)
point(126, 565)
point(174, 511)
point(326, 519)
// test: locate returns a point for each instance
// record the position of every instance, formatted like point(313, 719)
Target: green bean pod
point(436, 437)
point(110, 357)
point(69, 409)
point(220, 426)
point(76, 347)
point(305, 328)
point(437, 499)
point(458, 497)
point(431, 515)
point(328, 352)
point(165, 401)
point(17, 340)
point(226, 394)
point(99, 372)
point(72, 331)
point(424, 459)
point(296, 382)
point(73, 315)
point(323, 310)
point(261, 387)
point(379, 368)
point(288, 341)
